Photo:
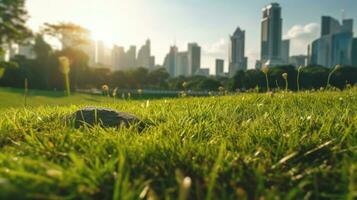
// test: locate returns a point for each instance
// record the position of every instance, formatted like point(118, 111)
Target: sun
point(102, 32)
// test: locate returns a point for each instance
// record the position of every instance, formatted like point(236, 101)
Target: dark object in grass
point(106, 118)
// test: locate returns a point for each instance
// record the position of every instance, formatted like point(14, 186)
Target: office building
point(354, 52)
point(299, 60)
point(237, 59)
point(334, 45)
point(118, 58)
point(130, 57)
point(285, 51)
point(170, 61)
point(194, 58)
point(202, 72)
point(271, 35)
point(219, 67)
point(144, 56)
point(182, 64)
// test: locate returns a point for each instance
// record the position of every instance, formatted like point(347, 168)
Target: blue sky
point(207, 22)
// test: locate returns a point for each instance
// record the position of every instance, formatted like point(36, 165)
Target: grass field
point(250, 146)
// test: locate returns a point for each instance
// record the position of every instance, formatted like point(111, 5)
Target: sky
point(207, 22)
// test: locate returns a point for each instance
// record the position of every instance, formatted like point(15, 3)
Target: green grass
point(286, 146)
point(10, 97)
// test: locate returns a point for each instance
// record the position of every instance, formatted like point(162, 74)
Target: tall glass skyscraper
point(271, 35)
point(335, 44)
point(354, 52)
point(237, 59)
point(170, 61)
point(194, 58)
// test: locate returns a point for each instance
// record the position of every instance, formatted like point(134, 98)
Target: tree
point(41, 48)
point(13, 17)
point(238, 80)
point(208, 84)
point(138, 77)
point(69, 34)
point(158, 77)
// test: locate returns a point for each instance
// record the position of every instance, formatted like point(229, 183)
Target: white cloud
point(213, 51)
point(218, 48)
point(301, 36)
point(253, 55)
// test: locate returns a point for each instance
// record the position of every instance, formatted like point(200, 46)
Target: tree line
point(43, 72)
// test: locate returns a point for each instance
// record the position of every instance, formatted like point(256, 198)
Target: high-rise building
point(144, 56)
point(299, 60)
point(285, 51)
point(354, 52)
point(118, 58)
point(194, 58)
point(130, 57)
point(219, 67)
point(237, 59)
point(170, 61)
point(202, 72)
point(271, 35)
point(182, 64)
point(335, 44)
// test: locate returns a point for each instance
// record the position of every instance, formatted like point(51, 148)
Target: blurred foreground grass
point(285, 146)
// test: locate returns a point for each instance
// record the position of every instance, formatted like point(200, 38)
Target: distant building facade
point(194, 58)
point(219, 67)
point(182, 64)
point(271, 35)
point(170, 61)
point(202, 72)
point(185, 63)
point(354, 52)
point(334, 45)
point(130, 57)
point(299, 60)
point(118, 58)
point(144, 56)
point(237, 59)
point(285, 51)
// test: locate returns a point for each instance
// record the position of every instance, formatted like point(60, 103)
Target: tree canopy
point(69, 34)
point(13, 17)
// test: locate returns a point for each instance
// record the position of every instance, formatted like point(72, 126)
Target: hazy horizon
point(208, 23)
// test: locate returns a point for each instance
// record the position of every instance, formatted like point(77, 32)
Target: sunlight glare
point(102, 32)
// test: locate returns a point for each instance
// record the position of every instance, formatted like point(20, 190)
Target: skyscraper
point(354, 52)
point(118, 58)
point(219, 67)
point(144, 56)
point(202, 72)
point(299, 60)
point(130, 57)
point(271, 35)
point(285, 51)
point(194, 58)
point(335, 44)
point(170, 61)
point(237, 59)
point(182, 64)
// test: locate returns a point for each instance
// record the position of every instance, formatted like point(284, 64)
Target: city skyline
point(174, 22)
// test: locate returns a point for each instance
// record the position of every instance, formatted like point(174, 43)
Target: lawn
point(253, 146)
